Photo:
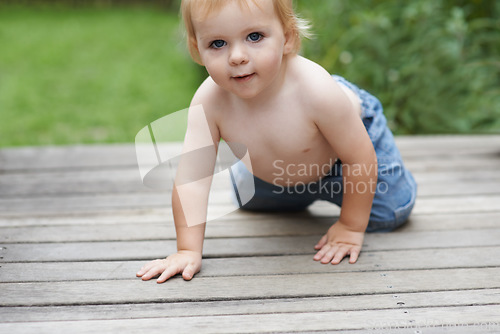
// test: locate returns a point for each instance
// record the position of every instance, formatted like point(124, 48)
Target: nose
point(238, 55)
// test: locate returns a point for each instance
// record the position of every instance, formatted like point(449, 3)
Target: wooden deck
point(76, 224)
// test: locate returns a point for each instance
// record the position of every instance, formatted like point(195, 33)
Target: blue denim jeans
point(396, 188)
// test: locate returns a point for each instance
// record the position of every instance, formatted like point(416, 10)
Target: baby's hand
point(339, 242)
point(186, 262)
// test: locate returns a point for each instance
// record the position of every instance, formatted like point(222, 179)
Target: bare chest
point(281, 142)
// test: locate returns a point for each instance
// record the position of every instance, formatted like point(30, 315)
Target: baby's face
point(242, 49)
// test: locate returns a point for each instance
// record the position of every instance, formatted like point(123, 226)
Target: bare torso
point(282, 138)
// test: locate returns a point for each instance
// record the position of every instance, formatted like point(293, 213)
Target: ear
point(197, 57)
point(289, 45)
point(195, 52)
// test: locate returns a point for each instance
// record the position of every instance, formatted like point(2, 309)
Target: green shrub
point(434, 64)
point(89, 74)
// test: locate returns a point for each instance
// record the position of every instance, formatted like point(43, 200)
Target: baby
point(291, 115)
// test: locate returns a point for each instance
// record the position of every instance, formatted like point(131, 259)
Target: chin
point(246, 95)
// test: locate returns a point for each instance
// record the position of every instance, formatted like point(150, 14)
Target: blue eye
point(255, 37)
point(217, 44)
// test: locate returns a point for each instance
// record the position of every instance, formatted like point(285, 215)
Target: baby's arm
point(189, 200)
point(345, 132)
point(345, 237)
point(187, 260)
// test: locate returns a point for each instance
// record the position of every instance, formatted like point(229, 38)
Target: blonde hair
point(290, 22)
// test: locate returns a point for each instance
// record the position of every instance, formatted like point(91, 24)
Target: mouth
point(243, 77)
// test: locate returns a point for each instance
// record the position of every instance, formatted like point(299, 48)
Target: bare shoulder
point(314, 80)
point(318, 90)
point(210, 96)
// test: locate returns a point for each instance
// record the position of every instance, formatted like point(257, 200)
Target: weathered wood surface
point(286, 322)
point(76, 223)
point(447, 258)
point(256, 306)
point(237, 247)
point(246, 287)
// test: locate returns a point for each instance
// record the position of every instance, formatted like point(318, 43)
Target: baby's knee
point(386, 219)
point(392, 209)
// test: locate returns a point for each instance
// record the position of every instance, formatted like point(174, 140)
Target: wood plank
point(432, 143)
point(72, 157)
point(233, 225)
point(241, 287)
point(412, 152)
point(455, 176)
point(452, 221)
point(459, 204)
point(37, 185)
point(82, 203)
point(380, 261)
point(150, 215)
point(51, 205)
point(266, 226)
point(440, 205)
point(491, 187)
point(160, 215)
point(237, 247)
point(130, 173)
point(128, 180)
point(72, 182)
point(491, 163)
point(221, 203)
point(373, 320)
point(240, 223)
point(258, 306)
point(126, 217)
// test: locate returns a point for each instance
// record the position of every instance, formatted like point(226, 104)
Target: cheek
point(217, 72)
point(213, 67)
point(272, 60)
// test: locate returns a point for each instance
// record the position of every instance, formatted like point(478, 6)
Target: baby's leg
point(391, 209)
point(395, 192)
point(396, 188)
point(267, 197)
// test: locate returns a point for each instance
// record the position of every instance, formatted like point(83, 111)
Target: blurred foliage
point(434, 64)
point(84, 71)
point(164, 4)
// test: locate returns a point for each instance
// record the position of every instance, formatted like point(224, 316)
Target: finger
point(319, 255)
point(167, 273)
point(321, 242)
point(142, 271)
point(329, 255)
point(188, 272)
point(342, 252)
point(145, 268)
point(152, 272)
point(354, 256)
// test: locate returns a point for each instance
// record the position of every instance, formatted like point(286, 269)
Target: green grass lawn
point(87, 75)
